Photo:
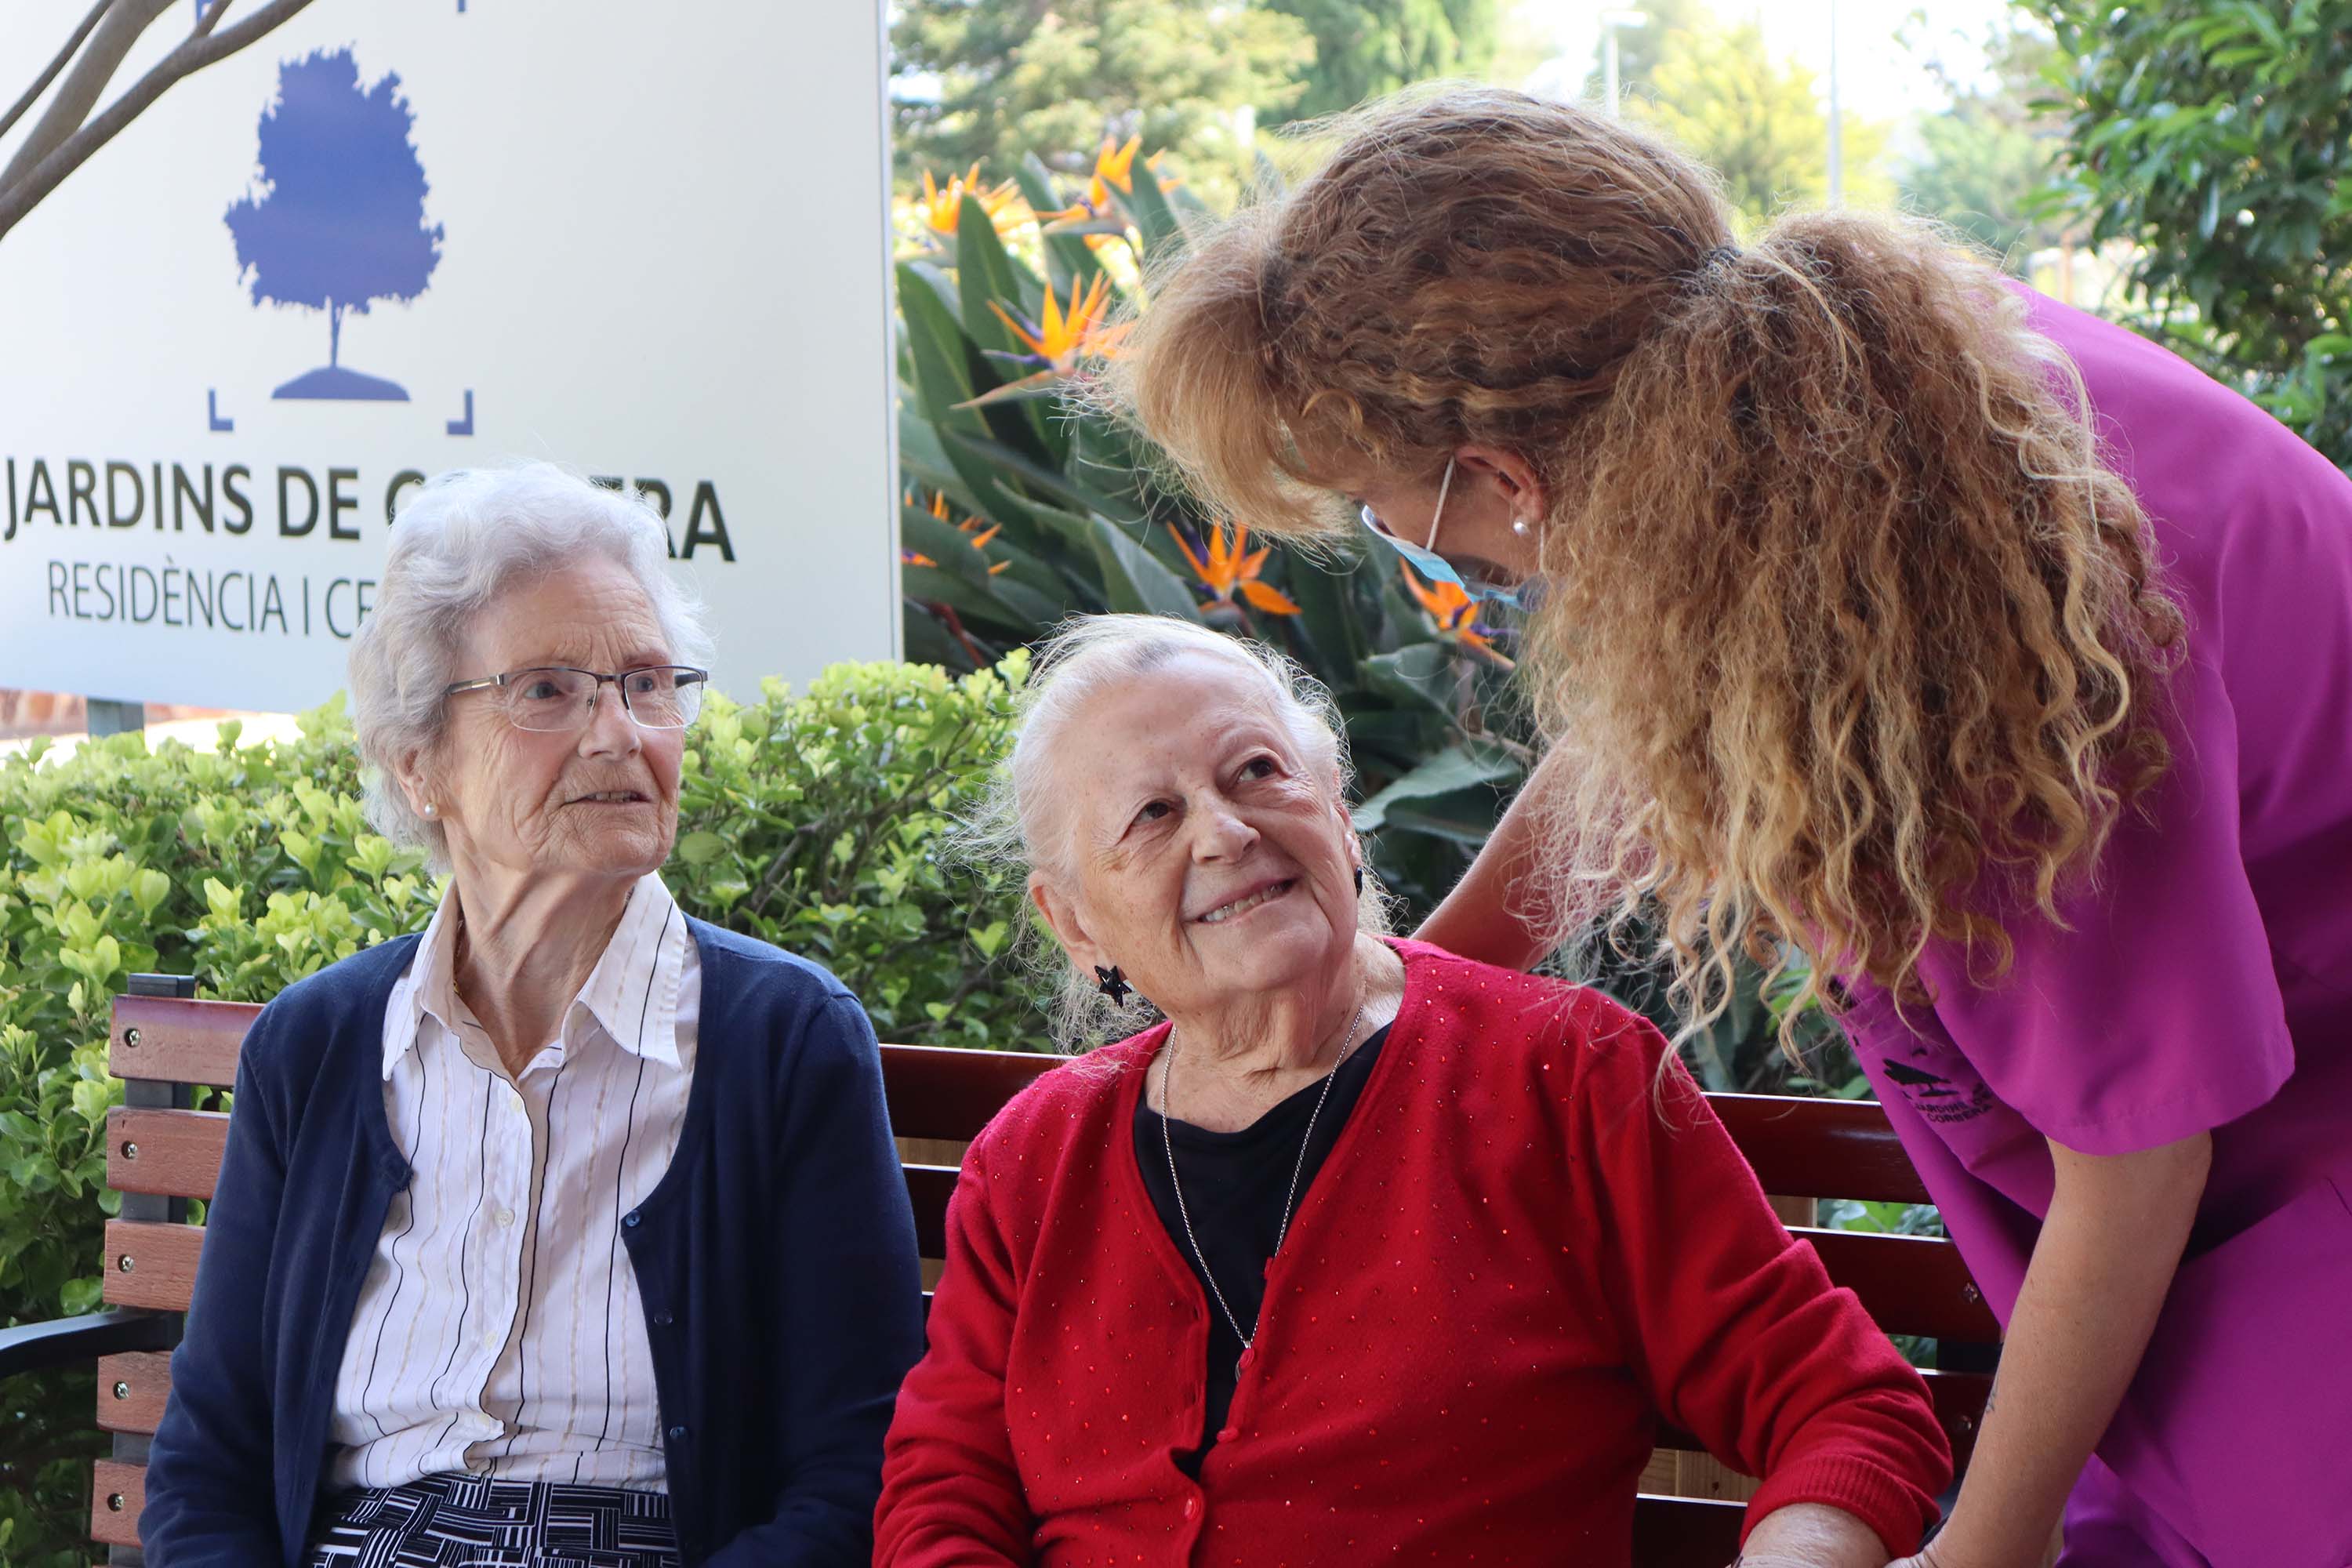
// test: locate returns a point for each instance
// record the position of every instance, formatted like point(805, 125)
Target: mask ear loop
point(1438, 516)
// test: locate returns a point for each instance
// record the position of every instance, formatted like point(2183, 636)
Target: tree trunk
point(334, 334)
point(110, 41)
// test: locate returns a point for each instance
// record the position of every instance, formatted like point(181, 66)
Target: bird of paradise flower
point(1092, 215)
point(1232, 566)
point(1062, 337)
point(1456, 614)
point(943, 209)
point(979, 538)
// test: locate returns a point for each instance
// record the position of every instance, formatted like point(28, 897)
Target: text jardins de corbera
point(288, 502)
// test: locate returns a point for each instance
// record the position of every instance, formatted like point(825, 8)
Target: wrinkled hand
point(1813, 1535)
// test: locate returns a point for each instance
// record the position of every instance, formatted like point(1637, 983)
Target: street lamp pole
point(1611, 20)
point(1837, 136)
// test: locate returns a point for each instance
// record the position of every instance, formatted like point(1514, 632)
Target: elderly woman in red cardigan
point(1365, 1251)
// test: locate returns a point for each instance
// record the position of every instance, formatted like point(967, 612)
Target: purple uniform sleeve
point(2154, 1014)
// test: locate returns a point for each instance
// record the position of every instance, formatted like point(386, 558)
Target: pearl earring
point(430, 809)
point(1519, 526)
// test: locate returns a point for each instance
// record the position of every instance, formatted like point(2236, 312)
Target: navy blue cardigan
point(775, 1257)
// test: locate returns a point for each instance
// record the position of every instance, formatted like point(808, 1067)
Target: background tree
point(990, 81)
point(2212, 138)
point(68, 133)
point(1984, 164)
point(339, 221)
point(1639, 49)
point(1755, 120)
point(1364, 48)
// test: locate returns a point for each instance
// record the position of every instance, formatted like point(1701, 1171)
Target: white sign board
point(395, 237)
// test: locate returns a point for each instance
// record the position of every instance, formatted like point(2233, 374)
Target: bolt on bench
point(160, 1153)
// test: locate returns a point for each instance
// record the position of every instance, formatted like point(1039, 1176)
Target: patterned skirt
point(461, 1521)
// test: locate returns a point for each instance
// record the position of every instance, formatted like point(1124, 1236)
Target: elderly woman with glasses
point(1366, 1253)
point(571, 1232)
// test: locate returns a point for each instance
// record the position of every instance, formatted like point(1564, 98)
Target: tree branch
point(41, 83)
point(197, 52)
point(118, 31)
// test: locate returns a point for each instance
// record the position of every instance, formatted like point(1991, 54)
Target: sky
point(1878, 77)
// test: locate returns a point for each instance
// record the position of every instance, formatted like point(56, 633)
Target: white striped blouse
point(499, 1331)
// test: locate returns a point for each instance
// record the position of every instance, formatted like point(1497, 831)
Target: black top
point(1234, 1185)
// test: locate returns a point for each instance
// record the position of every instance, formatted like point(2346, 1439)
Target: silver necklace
point(1290, 1200)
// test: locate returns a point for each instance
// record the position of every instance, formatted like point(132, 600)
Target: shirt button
point(631, 1219)
point(677, 1433)
point(661, 1319)
point(1191, 1506)
point(506, 1218)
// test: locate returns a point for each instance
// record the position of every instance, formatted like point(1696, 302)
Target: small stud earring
point(1112, 983)
point(431, 810)
point(1359, 880)
point(1519, 526)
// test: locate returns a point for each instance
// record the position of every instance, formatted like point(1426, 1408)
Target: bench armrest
point(33, 1347)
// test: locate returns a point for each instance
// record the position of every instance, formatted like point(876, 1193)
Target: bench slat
point(1820, 1148)
point(162, 1259)
point(1960, 1398)
point(1910, 1284)
point(1668, 1533)
point(940, 1091)
point(118, 1491)
point(144, 1380)
point(928, 1187)
point(1800, 1148)
point(178, 1152)
point(176, 1041)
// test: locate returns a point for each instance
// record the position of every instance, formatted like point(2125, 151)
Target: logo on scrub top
point(1936, 1098)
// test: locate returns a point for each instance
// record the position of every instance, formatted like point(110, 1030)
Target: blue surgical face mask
point(1426, 560)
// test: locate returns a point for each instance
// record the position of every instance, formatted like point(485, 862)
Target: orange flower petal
point(1270, 599)
point(1190, 558)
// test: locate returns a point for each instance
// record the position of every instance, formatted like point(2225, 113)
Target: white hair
point(462, 539)
point(1021, 828)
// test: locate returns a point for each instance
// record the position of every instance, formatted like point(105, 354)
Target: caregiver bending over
point(1367, 1252)
point(569, 1235)
point(1986, 652)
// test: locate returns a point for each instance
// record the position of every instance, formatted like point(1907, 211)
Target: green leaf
point(1133, 579)
point(1455, 769)
point(1420, 674)
point(701, 848)
point(1154, 220)
point(90, 1100)
point(985, 276)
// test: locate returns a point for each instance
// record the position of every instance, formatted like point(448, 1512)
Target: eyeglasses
point(1436, 567)
point(557, 698)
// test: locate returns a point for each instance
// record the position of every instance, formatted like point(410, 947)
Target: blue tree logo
point(339, 220)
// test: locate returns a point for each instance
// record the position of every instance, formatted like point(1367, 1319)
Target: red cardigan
point(1513, 1265)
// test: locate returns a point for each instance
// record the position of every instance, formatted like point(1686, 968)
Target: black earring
point(1359, 880)
point(1113, 983)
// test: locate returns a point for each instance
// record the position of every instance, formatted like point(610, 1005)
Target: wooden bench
point(160, 1153)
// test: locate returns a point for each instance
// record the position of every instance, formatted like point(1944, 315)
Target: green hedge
point(813, 822)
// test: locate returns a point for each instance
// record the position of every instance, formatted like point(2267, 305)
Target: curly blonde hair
point(1856, 643)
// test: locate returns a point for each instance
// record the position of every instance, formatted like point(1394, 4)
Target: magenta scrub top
point(2206, 985)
